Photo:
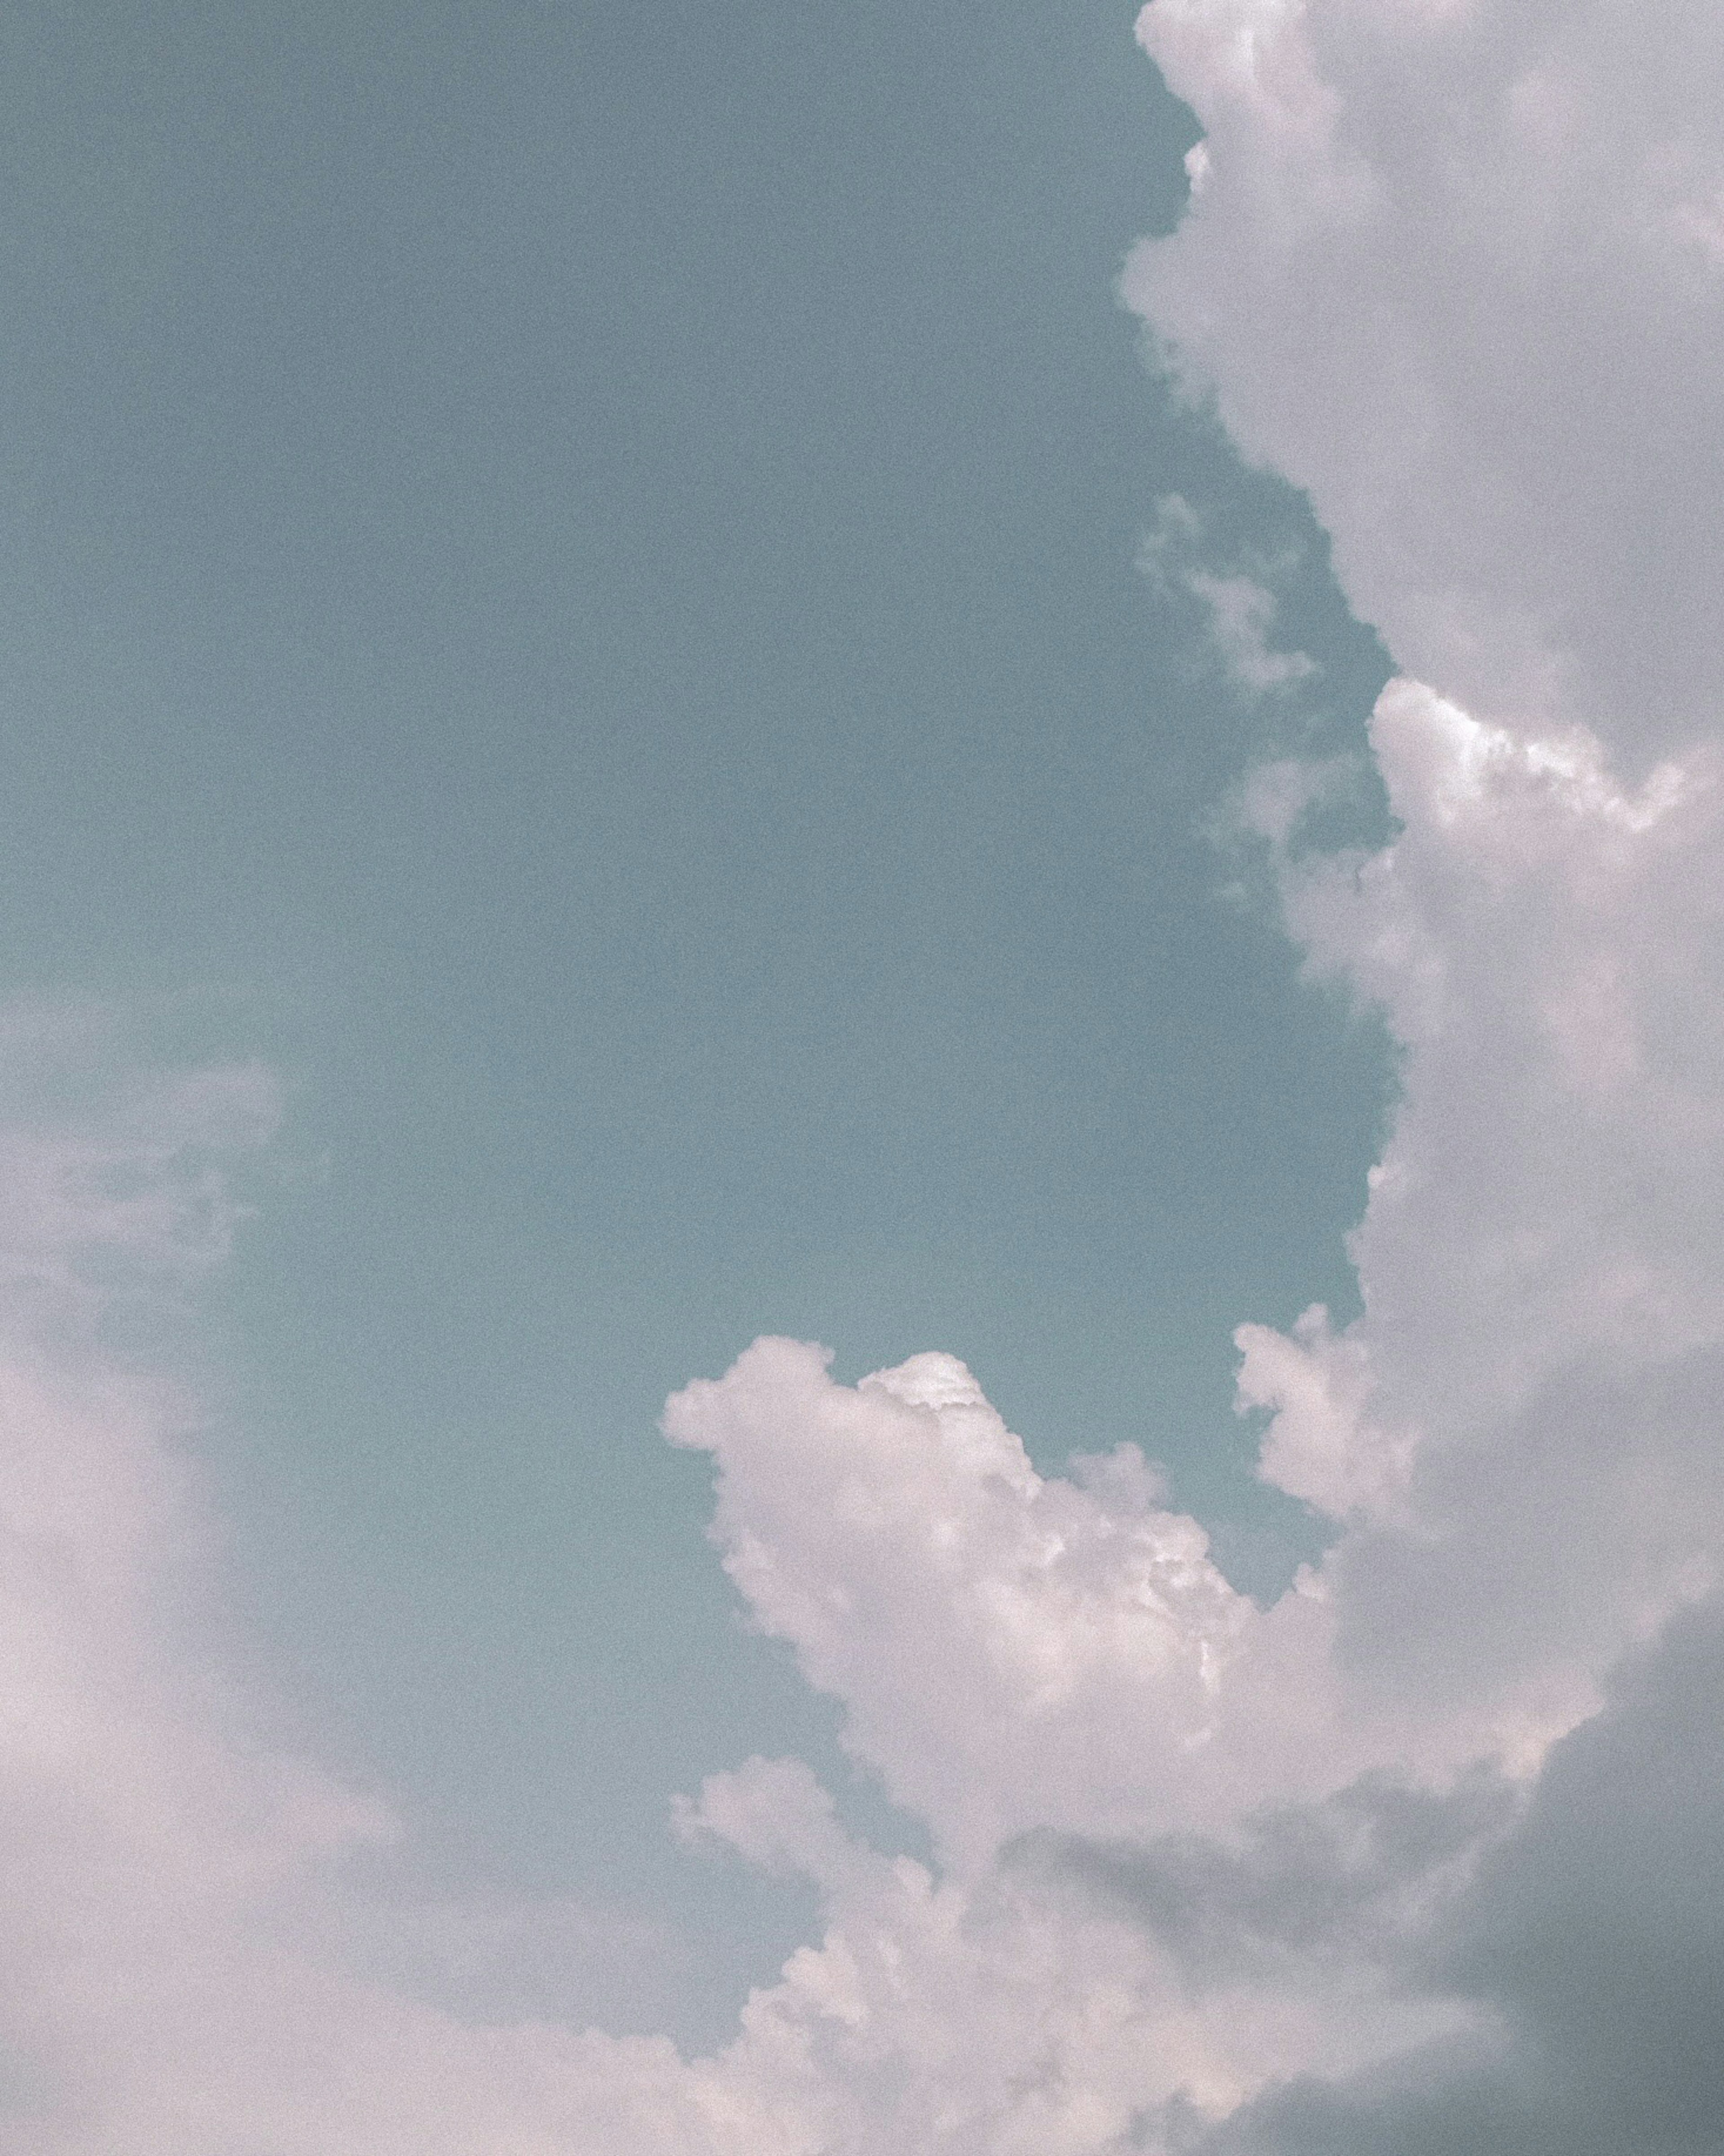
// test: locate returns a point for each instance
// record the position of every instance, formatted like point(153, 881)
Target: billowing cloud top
point(1456, 267)
point(1427, 1854)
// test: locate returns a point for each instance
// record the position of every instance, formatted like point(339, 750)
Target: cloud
point(1528, 1392)
point(1012, 1651)
point(1593, 1938)
point(1452, 267)
point(174, 1880)
point(1354, 1875)
point(1240, 608)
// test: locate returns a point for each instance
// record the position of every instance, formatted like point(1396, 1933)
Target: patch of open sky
point(572, 579)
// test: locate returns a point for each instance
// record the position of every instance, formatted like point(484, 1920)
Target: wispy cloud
point(1240, 609)
point(189, 1967)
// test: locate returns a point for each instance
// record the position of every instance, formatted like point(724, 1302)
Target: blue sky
point(573, 583)
point(1003, 688)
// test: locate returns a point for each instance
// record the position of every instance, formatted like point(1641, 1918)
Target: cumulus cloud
point(190, 1965)
point(1452, 267)
point(1447, 266)
point(1012, 1651)
point(1425, 1855)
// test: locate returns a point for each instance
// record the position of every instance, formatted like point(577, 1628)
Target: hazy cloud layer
point(1426, 1856)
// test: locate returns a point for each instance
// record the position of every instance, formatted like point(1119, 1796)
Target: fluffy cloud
point(1455, 267)
point(1034, 1663)
point(1012, 1652)
point(1452, 269)
point(1519, 1429)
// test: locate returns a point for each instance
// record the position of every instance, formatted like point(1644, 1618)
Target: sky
point(577, 596)
point(977, 700)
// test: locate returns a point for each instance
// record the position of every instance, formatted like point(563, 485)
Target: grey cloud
point(1592, 1937)
point(1545, 1541)
point(1352, 1875)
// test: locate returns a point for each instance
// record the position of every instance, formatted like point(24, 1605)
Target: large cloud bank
point(1430, 1855)
point(1453, 266)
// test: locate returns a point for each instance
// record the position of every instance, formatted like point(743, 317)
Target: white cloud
point(1451, 269)
point(172, 1881)
point(1012, 1652)
point(1450, 265)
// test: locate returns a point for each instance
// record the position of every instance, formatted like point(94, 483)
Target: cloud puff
point(1012, 1651)
point(1524, 1410)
